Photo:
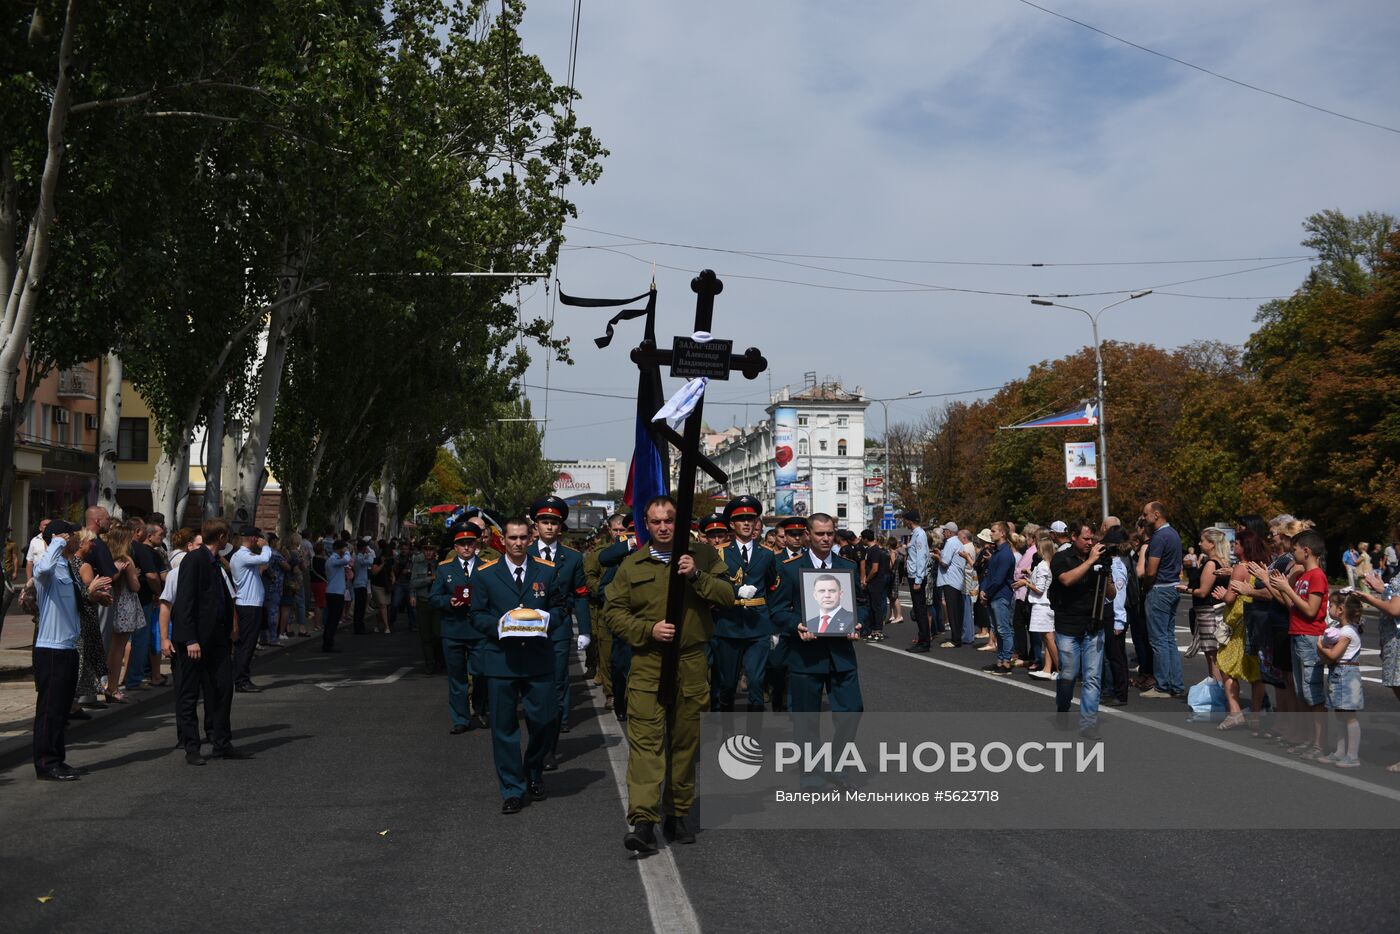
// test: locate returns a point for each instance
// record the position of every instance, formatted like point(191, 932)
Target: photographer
point(1081, 581)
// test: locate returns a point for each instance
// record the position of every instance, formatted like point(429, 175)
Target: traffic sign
point(889, 509)
point(887, 525)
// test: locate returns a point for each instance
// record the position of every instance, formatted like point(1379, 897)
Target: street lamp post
point(1093, 317)
point(886, 488)
point(811, 464)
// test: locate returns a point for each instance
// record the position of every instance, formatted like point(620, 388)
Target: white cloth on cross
point(683, 402)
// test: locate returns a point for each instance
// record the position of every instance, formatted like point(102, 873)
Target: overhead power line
point(640, 241)
point(1213, 74)
point(932, 287)
point(712, 402)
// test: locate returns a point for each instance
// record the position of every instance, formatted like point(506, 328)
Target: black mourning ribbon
point(626, 315)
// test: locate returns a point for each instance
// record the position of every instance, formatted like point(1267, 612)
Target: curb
point(20, 749)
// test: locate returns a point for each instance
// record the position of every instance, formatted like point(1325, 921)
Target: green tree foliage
point(1325, 424)
point(502, 462)
point(1305, 418)
point(267, 196)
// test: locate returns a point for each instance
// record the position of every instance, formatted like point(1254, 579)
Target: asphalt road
point(360, 812)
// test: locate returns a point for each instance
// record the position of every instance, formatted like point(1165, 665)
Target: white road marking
point(1313, 770)
point(667, 902)
point(348, 682)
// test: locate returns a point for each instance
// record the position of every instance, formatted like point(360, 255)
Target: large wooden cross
point(689, 358)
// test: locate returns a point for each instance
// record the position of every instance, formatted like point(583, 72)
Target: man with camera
point(1081, 581)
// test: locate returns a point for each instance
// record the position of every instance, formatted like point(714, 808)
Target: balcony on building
point(78, 382)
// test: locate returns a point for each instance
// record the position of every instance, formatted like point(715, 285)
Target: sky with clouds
point(946, 133)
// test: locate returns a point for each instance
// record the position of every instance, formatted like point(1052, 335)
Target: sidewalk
point(15, 643)
point(17, 691)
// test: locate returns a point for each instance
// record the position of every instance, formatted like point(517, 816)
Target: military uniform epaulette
point(792, 559)
point(482, 567)
point(539, 560)
point(446, 561)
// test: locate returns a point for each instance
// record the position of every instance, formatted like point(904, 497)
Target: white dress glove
point(583, 642)
point(773, 642)
point(747, 592)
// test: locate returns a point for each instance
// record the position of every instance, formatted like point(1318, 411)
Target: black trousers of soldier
point(777, 682)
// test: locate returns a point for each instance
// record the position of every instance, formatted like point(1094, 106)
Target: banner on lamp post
point(1081, 465)
point(784, 458)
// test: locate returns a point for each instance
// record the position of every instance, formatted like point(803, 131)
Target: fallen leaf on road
point(45, 899)
point(383, 833)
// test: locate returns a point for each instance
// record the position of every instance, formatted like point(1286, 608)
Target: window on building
point(843, 420)
point(840, 510)
point(801, 419)
point(133, 442)
point(62, 423)
point(841, 447)
point(840, 484)
point(802, 446)
point(821, 445)
point(45, 419)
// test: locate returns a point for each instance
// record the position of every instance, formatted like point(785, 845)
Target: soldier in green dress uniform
point(715, 529)
point(793, 531)
point(517, 604)
point(549, 514)
point(663, 743)
point(743, 633)
point(602, 641)
point(461, 643)
point(619, 658)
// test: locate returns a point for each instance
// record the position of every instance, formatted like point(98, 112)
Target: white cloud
point(945, 130)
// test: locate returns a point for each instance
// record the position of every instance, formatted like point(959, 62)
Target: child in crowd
point(1306, 599)
point(1340, 645)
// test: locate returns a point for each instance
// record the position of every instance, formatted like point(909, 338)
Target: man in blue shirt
point(364, 560)
point(1164, 564)
point(55, 655)
point(996, 590)
point(952, 569)
point(248, 564)
point(337, 560)
point(916, 567)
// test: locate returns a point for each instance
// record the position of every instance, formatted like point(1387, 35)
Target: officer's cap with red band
point(743, 507)
point(549, 507)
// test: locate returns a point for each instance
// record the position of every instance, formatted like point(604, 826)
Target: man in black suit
point(203, 629)
point(831, 617)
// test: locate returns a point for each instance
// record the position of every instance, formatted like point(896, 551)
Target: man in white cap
point(1060, 532)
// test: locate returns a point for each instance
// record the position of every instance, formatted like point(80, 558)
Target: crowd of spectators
point(1097, 604)
point(110, 617)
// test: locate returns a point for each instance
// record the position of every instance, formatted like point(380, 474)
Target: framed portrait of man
point(828, 602)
